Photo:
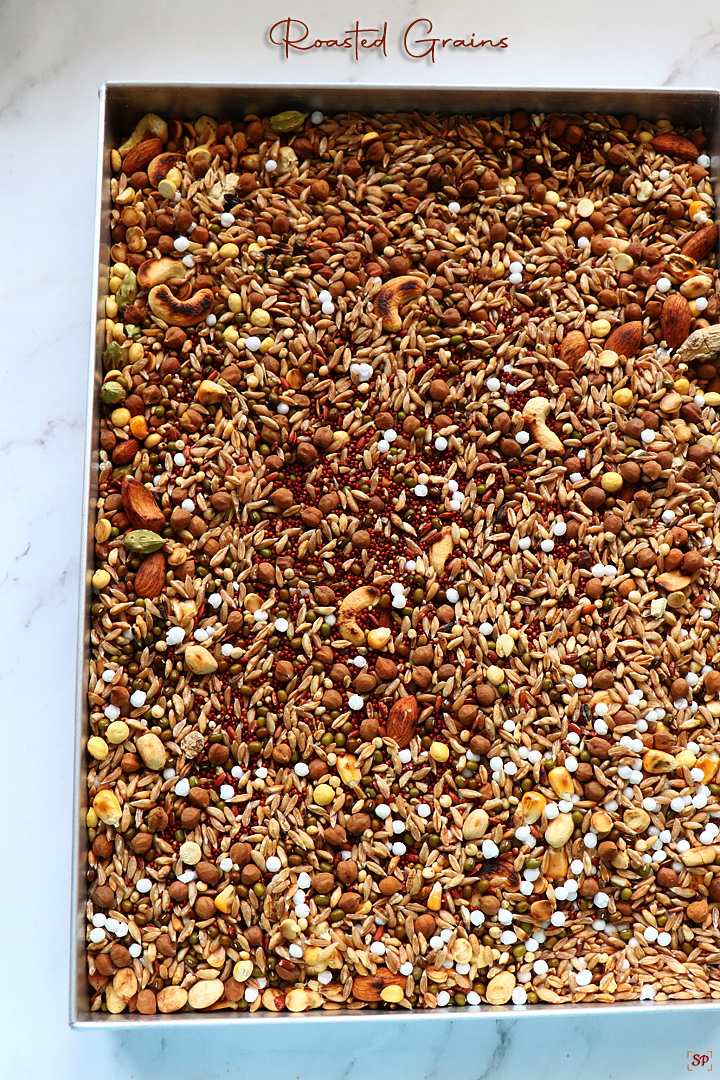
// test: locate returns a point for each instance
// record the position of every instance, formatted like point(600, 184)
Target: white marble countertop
point(54, 57)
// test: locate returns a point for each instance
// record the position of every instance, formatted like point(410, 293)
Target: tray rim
point(116, 95)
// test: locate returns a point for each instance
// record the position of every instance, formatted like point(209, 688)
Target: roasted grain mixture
point(405, 679)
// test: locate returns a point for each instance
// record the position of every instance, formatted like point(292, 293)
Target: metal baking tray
point(121, 106)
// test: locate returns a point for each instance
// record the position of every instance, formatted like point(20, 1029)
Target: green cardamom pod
point(113, 356)
point(143, 541)
point(113, 393)
point(127, 291)
point(287, 121)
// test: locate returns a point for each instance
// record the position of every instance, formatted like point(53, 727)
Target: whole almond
point(141, 156)
point(573, 347)
point(140, 506)
point(701, 243)
point(675, 320)
point(150, 577)
point(625, 339)
point(402, 720)
point(676, 146)
point(370, 987)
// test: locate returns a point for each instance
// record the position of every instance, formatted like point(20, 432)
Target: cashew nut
point(226, 185)
point(535, 413)
point(180, 312)
point(705, 855)
point(702, 345)
point(199, 158)
point(680, 266)
point(164, 175)
point(205, 129)
point(210, 393)
point(378, 638)
point(355, 602)
point(151, 126)
point(286, 160)
point(392, 296)
point(160, 272)
point(439, 551)
point(532, 806)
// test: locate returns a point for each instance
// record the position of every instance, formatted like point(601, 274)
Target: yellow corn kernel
point(657, 762)
point(561, 782)
point(224, 899)
point(623, 396)
point(139, 427)
point(347, 766)
point(210, 393)
point(532, 806)
point(709, 766)
point(379, 637)
point(107, 807)
point(557, 865)
point(434, 900)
